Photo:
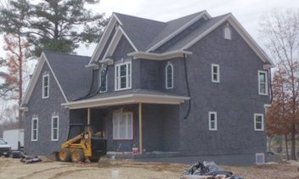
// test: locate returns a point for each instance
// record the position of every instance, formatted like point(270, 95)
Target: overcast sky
point(248, 12)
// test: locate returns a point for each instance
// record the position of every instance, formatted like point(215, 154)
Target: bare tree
point(277, 115)
point(281, 31)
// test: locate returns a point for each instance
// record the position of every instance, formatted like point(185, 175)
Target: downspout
point(188, 88)
point(270, 85)
point(90, 88)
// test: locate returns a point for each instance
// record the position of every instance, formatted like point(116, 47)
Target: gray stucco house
point(193, 87)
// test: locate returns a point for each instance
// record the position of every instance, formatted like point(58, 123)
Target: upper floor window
point(262, 83)
point(55, 128)
point(123, 76)
point(227, 32)
point(215, 73)
point(34, 129)
point(122, 125)
point(169, 76)
point(45, 85)
point(258, 122)
point(213, 121)
point(103, 76)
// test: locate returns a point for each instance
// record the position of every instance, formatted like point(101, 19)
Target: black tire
point(64, 155)
point(77, 155)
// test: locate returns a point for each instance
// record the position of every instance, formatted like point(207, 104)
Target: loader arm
point(68, 143)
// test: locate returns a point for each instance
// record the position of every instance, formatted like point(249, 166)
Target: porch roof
point(127, 97)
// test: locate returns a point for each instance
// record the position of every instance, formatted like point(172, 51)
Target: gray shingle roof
point(71, 73)
point(141, 31)
point(145, 33)
point(172, 26)
point(192, 35)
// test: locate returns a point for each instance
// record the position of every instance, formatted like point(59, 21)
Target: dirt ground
point(14, 169)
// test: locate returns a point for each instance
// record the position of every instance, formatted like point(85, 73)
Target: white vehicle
point(14, 138)
point(4, 147)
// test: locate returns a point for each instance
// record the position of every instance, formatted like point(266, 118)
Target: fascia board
point(34, 79)
point(126, 99)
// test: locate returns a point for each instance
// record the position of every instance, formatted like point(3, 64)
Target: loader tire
point(77, 155)
point(65, 155)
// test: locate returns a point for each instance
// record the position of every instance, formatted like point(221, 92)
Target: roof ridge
point(193, 14)
point(182, 23)
point(62, 53)
point(138, 17)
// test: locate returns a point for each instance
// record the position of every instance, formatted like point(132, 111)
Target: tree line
point(29, 27)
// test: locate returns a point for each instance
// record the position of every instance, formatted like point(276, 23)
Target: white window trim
point(100, 81)
point(117, 82)
point(34, 119)
point(210, 126)
point(227, 32)
point(52, 122)
point(256, 156)
point(258, 78)
point(262, 127)
point(43, 87)
point(172, 76)
point(132, 125)
point(218, 73)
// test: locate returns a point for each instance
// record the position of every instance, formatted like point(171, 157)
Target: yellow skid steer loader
point(82, 147)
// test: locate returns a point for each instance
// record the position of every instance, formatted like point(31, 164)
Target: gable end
point(33, 82)
point(243, 33)
point(113, 23)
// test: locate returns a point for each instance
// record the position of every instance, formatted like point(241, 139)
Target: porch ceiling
point(126, 99)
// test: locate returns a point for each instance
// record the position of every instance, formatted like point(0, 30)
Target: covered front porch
point(148, 123)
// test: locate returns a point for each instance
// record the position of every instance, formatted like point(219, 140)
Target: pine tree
point(57, 25)
point(30, 28)
point(13, 20)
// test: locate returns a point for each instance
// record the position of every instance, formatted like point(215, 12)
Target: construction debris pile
point(27, 159)
point(30, 159)
point(207, 170)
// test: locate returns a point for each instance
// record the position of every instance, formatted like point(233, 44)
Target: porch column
point(140, 127)
point(88, 116)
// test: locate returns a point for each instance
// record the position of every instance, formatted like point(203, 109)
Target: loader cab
point(83, 144)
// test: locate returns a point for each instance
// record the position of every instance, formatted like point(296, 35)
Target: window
point(213, 121)
point(55, 128)
point(169, 76)
point(123, 76)
point(215, 73)
point(34, 129)
point(122, 125)
point(259, 158)
point(227, 32)
point(103, 80)
point(258, 122)
point(45, 90)
point(262, 83)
